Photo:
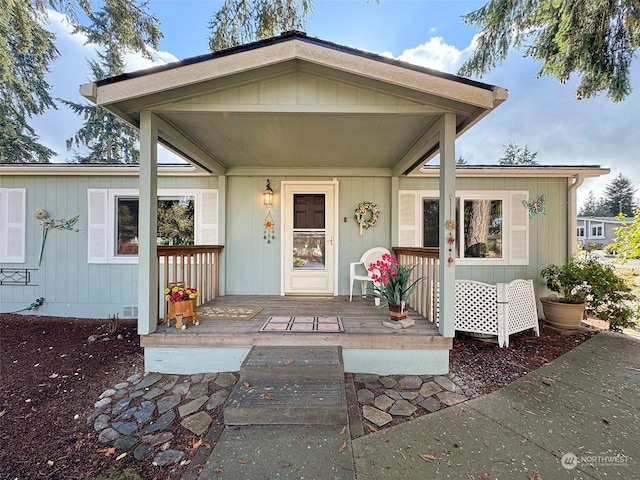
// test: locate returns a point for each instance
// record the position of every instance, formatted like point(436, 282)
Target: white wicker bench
point(501, 309)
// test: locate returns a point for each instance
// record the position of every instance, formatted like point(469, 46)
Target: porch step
point(289, 386)
point(294, 362)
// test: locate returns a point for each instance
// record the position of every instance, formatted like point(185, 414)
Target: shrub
point(586, 280)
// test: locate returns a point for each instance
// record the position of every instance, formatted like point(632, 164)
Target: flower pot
point(185, 310)
point(566, 316)
point(398, 312)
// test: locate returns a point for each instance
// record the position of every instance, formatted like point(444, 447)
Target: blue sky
point(541, 114)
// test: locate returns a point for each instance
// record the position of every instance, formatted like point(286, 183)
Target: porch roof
point(297, 102)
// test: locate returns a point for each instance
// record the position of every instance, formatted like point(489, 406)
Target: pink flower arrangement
point(180, 293)
point(392, 281)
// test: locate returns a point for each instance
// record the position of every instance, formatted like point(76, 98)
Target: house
point(598, 231)
point(326, 128)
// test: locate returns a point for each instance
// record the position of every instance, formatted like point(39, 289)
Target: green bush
point(586, 280)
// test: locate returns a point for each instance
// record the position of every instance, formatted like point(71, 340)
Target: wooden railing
point(198, 266)
point(425, 298)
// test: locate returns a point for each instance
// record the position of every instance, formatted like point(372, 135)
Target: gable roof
point(296, 102)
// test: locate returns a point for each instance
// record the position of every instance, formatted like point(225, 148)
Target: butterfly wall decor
point(537, 206)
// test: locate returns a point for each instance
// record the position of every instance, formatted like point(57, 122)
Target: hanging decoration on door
point(269, 232)
point(366, 215)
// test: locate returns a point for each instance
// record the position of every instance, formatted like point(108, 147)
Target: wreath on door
point(366, 215)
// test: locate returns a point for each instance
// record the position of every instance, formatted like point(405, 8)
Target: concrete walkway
point(577, 418)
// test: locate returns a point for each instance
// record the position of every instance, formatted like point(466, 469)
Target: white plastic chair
point(370, 256)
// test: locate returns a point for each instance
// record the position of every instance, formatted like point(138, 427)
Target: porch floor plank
point(362, 322)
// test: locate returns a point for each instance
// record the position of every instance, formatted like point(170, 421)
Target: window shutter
point(98, 230)
point(409, 218)
point(12, 225)
point(518, 228)
point(207, 218)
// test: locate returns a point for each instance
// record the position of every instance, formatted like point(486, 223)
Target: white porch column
point(222, 233)
point(447, 273)
point(147, 225)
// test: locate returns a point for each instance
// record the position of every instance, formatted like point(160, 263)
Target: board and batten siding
point(546, 235)
point(70, 286)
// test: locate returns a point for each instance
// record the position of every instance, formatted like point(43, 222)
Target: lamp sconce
point(267, 195)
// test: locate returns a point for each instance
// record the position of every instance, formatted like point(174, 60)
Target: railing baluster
point(424, 299)
point(195, 265)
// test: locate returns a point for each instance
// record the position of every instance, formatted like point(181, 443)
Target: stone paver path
point(136, 416)
point(383, 398)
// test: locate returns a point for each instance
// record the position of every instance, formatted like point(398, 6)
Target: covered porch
point(367, 345)
point(327, 127)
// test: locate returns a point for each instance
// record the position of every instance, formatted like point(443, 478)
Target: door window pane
point(308, 250)
point(308, 211)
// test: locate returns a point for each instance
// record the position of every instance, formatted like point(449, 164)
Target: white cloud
point(436, 54)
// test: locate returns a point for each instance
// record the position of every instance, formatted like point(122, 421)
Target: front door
point(309, 241)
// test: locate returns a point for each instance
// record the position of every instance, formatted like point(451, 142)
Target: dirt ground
point(51, 375)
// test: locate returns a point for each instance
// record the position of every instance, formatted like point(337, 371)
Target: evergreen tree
point(618, 197)
point(594, 39)
point(243, 21)
point(107, 138)
point(26, 52)
point(593, 207)
point(514, 155)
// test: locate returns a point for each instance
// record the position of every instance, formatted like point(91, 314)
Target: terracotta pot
point(566, 316)
point(397, 313)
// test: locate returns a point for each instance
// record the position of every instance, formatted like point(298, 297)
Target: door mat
point(227, 313)
point(303, 324)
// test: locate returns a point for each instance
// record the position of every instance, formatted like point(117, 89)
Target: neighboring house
point(598, 231)
point(328, 128)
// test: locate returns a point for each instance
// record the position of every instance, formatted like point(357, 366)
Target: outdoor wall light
point(267, 195)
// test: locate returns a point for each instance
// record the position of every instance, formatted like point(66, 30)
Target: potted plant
point(393, 284)
point(182, 303)
point(586, 287)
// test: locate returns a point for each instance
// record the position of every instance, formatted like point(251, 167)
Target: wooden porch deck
point(361, 319)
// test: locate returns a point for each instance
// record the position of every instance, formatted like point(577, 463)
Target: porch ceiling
point(296, 102)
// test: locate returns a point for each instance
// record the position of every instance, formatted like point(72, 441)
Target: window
point(175, 222)
point(184, 218)
point(597, 230)
point(482, 229)
point(492, 227)
point(581, 231)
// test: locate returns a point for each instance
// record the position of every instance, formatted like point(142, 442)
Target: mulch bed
point(52, 375)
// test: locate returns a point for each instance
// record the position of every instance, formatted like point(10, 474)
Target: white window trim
point(463, 196)
point(411, 207)
point(205, 219)
point(594, 225)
